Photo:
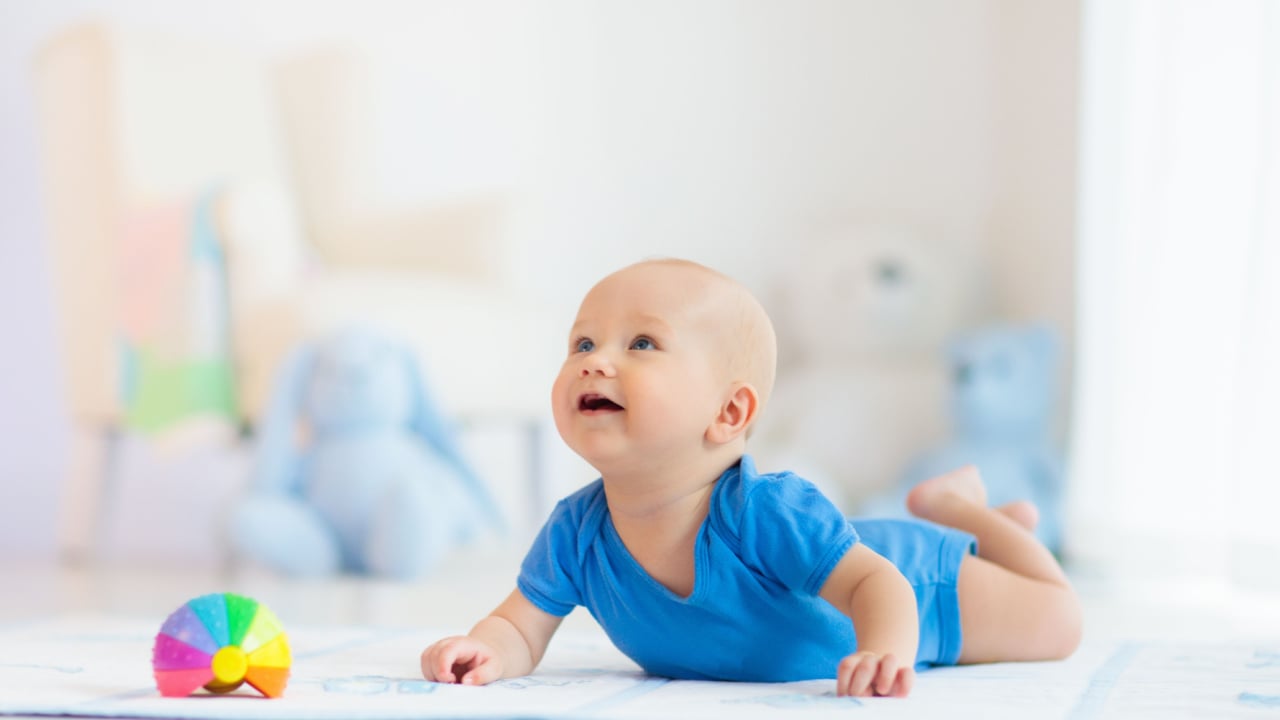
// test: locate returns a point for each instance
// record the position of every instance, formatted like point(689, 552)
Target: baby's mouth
point(592, 403)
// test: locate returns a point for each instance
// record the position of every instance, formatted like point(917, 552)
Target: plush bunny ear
point(276, 464)
point(429, 424)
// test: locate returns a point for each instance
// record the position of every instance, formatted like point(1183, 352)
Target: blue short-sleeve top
point(763, 553)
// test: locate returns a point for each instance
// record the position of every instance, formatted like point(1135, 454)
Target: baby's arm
point(880, 601)
point(508, 643)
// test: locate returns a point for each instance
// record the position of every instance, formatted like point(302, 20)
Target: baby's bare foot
point(1022, 512)
point(928, 498)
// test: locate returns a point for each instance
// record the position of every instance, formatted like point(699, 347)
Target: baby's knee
point(1065, 619)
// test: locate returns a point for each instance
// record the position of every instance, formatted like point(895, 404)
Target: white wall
point(728, 131)
point(1032, 232)
point(722, 131)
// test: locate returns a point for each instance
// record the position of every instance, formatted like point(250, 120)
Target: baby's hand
point(865, 673)
point(461, 659)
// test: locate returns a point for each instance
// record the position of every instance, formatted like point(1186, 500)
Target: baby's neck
point(664, 500)
point(658, 517)
point(656, 488)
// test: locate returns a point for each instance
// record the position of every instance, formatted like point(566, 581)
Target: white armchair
point(135, 120)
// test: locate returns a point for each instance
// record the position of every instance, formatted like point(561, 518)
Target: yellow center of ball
point(229, 665)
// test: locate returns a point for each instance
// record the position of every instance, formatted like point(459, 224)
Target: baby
point(699, 566)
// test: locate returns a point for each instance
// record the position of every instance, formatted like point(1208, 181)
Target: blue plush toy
point(1002, 402)
point(356, 470)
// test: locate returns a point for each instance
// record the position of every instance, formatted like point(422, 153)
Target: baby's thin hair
point(751, 327)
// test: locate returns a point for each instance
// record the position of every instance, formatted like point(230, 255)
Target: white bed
point(78, 642)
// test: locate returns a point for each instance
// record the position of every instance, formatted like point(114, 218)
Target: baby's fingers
point(483, 673)
point(855, 673)
point(890, 677)
point(862, 674)
point(906, 679)
point(430, 663)
point(438, 661)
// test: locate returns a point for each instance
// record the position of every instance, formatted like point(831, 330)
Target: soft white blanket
point(99, 666)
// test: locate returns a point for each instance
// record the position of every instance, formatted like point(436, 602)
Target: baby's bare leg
point(1015, 600)
point(1022, 512)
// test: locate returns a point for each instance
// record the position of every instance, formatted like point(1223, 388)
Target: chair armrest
point(464, 239)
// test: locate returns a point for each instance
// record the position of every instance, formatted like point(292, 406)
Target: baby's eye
point(584, 345)
point(642, 343)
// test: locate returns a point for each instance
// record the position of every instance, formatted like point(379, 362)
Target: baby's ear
point(736, 414)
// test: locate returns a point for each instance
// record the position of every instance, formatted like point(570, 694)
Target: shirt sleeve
point(791, 532)
point(549, 576)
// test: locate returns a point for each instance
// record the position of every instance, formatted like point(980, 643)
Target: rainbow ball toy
point(219, 642)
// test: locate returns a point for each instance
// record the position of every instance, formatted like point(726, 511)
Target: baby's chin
point(602, 459)
point(607, 460)
point(592, 448)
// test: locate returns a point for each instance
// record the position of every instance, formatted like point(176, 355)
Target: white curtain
point(1175, 464)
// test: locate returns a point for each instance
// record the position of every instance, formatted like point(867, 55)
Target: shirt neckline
point(699, 544)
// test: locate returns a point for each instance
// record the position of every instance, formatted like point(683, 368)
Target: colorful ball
point(221, 641)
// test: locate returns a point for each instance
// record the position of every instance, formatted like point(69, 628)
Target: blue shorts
point(929, 556)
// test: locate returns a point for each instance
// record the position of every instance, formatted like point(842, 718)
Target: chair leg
point(85, 492)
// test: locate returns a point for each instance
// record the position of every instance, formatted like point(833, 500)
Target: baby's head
point(666, 358)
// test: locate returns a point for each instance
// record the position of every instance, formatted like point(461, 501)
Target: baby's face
point(644, 376)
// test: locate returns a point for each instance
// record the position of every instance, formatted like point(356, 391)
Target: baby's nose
point(596, 363)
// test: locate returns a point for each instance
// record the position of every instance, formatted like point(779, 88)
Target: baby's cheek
point(559, 390)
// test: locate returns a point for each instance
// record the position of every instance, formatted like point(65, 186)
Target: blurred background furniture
point(259, 166)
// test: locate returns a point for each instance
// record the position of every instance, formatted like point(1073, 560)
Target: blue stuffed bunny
point(376, 484)
point(1003, 393)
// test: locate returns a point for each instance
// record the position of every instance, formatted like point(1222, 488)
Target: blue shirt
point(761, 556)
